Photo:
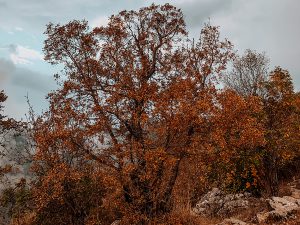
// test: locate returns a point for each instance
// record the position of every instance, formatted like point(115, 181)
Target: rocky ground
point(243, 209)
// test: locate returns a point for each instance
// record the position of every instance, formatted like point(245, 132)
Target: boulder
point(283, 208)
point(295, 193)
point(292, 199)
point(283, 204)
point(262, 217)
point(116, 222)
point(218, 203)
point(232, 221)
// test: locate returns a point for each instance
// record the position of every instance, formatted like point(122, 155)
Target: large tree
point(134, 102)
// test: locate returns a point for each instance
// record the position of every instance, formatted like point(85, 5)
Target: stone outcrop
point(116, 222)
point(232, 221)
point(16, 150)
point(283, 208)
point(218, 203)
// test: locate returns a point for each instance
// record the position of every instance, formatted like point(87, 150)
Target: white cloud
point(17, 82)
point(99, 21)
point(23, 55)
point(19, 29)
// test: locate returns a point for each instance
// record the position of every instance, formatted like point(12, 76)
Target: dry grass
point(284, 189)
point(184, 216)
point(256, 205)
point(25, 219)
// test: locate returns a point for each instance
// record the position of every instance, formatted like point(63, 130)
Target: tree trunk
point(270, 163)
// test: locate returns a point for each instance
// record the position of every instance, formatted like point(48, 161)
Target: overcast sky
point(272, 26)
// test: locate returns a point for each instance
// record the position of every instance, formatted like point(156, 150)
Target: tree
point(282, 119)
point(134, 96)
point(248, 73)
point(237, 137)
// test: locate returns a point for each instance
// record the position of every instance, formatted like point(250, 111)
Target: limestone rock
point(269, 216)
point(292, 199)
point(233, 221)
point(295, 193)
point(262, 217)
point(217, 203)
point(282, 209)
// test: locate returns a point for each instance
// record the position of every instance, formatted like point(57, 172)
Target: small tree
point(238, 135)
point(282, 119)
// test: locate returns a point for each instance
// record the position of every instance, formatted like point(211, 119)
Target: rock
point(247, 194)
point(292, 199)
point(217, 203)
point(295, 184)
point(282, 204)
point(283, 208)
point(262, 217)
point(269, 216)
point(295, 193)
point(233, 221)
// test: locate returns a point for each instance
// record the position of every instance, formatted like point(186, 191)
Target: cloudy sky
point(271, 26)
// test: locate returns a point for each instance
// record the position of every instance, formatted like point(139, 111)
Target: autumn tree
point(132, 105)
point(248, 77)
point(282, 119)
point(237, 136)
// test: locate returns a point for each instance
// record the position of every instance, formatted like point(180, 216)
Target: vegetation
point(139, 127)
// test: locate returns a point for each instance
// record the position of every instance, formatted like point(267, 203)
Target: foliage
point(238, 137)
point(279, 117)
point(138, 128)
point(282, 120)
